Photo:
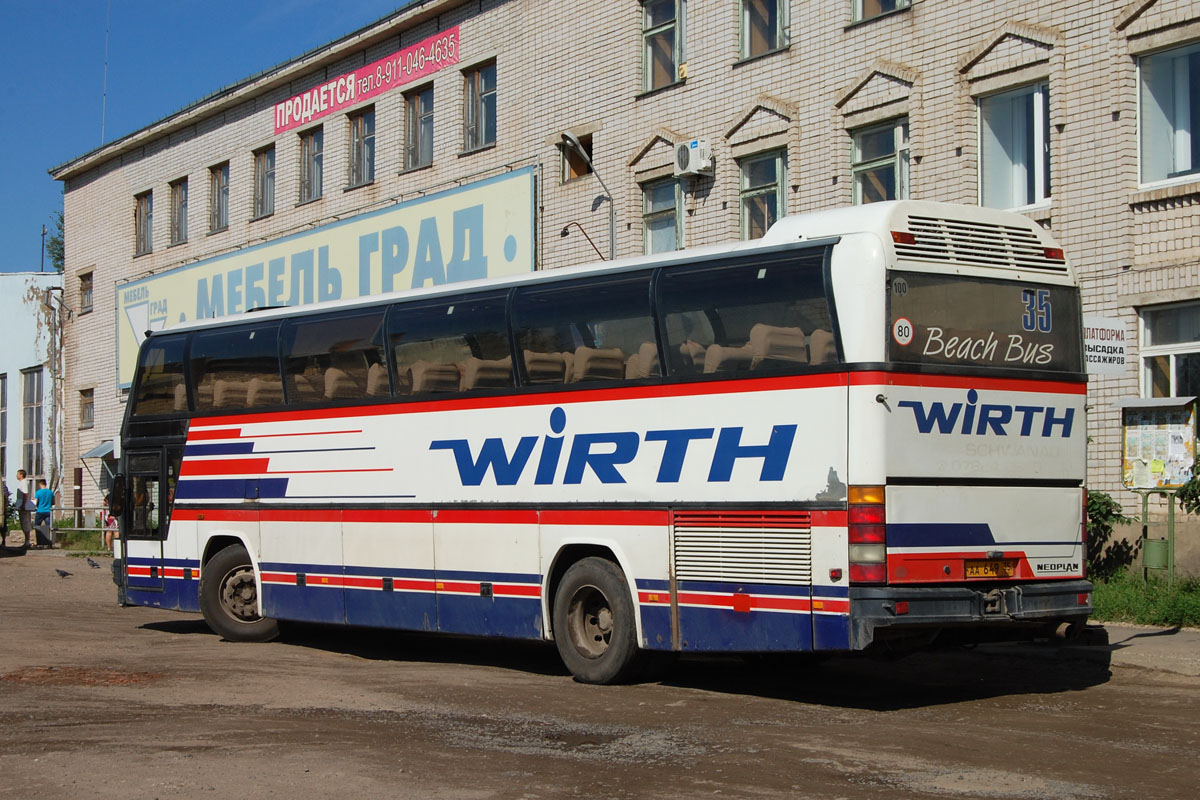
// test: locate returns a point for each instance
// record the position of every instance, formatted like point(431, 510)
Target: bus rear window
point(962, 320)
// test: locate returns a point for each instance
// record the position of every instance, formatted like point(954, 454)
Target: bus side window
point(336, 358)
point(770, 316)
point(160, 381)
point(227, 365)
point(450, 346)
point(591, 331)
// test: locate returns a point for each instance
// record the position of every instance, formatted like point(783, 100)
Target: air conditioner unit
point(693, 158)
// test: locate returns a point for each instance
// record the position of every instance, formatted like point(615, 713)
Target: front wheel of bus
point(593, 623)
point(229, 598)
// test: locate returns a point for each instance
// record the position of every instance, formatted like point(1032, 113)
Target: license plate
point(992, 568)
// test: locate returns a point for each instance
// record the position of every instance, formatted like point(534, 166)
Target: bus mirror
point(116, 498)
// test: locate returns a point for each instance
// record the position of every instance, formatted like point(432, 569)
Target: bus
point(863, 432)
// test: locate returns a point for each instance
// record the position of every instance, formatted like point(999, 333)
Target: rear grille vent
point(981, 243)
point(743, 547)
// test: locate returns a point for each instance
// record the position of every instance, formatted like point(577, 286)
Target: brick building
point(1083, 115)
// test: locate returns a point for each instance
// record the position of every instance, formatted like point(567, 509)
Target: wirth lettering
point(995, 419)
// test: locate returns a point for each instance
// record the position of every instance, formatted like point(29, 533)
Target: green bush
point(1125, 597)
point(1106, 558)
point(81, 540)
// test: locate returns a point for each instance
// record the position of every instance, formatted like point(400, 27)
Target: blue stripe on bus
point(222, 488)
point(831, 631)
point(715, 630)
point(229, 449)
point(939, 534)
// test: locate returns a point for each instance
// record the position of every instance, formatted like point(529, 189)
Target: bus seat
point(264, 392)
point(821, 347)
point(483, 373)
point(181, 397)
point(719, 358)
point(545, 367)
point(301, 389)
point(228, 393)
point(339, 385)
point(568, 365)
point(432, 376)
point(693, 354)
point(377, 381)
point(599, 364)
point(777, 343)
point(633, 368)
point(648, 364)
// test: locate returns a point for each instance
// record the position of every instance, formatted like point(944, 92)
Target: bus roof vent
point(984, 244)
point(743, 546)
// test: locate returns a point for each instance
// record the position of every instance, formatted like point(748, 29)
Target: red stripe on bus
point(966, 382)
point(601, 516)
point(829, 519)
point(755, 602)
point(196, 435)
point(516, 590)
point(224, 466)
point(487, 516)
point(779, 383)
point(387, 515)
point(831, 606)
point(931, 567)
point(278, 577)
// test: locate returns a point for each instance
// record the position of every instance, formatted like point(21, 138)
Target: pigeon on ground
point(62, 573)
point(93, 564)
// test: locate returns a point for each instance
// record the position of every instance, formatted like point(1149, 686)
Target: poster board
point(1158, 441)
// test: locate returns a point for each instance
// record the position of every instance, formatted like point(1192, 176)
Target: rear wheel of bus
point(229, 598)
point(594, 626)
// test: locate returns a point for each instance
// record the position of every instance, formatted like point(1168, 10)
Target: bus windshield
point(971, 321)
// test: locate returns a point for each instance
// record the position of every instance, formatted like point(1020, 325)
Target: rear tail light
point(866, 524)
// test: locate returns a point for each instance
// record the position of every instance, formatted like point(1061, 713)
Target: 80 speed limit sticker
point(902, 331)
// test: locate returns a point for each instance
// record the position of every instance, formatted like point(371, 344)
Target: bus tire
point(594, 627)
point(229, 598)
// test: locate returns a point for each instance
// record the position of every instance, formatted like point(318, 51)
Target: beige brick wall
point(578, 65)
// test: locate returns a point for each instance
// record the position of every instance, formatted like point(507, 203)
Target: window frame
point(264, 182)
point(649, 215)
point(143, 223)
point(32, 435)
point(1039, 130)
point(87, 408)
point(179, 209)
point(479, 104)
point(218, 197)
point(1147, 353)
point(87, 289)
point(858, 15)
point(312, 164)
point(898, 157)
point(1178, 139)
point(677, 28)
point(780, 36)
point(749, 193)
point(416, 117)
point(362, 147)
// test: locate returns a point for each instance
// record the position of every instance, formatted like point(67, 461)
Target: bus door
point(142, 527)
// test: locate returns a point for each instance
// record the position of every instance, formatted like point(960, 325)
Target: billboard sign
point(480, 230)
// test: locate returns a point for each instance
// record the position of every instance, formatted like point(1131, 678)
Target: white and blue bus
point(864, 430)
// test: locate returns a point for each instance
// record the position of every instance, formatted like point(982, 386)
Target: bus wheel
point(229, 598)
point(593, 623)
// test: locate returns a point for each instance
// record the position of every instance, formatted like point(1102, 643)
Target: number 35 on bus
point(863, 431)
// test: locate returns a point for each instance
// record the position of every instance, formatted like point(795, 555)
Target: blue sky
point(162, 56)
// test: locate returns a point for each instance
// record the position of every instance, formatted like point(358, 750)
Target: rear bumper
point(879, 616)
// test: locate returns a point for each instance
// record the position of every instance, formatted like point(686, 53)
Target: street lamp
point(572, 141)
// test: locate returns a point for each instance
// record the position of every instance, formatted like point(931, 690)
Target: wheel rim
point(239, 594)
point(590, 622)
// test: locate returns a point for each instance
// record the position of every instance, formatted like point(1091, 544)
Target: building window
point(31, 421)
point(418, 112)
point(660, 216)
point(362, 147)
point(1014, 148)
point(264, 182)
point(143, 223)
point(218, 198)
point(1170, 350)
point(880, 162)
point(3, 426)
point(1170, 113)
point(576, 164)
point(869, 9)
point(87, 408)
point(662, 37)
point(764, 26)
point(479, 113)
point(179, 205)
point(85, 292)
point(762, 194)
point(312, 144)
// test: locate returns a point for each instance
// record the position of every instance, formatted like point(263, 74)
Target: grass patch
point(1126, 598)
point(89, 541)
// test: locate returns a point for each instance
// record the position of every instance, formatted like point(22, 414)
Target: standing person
point(45, 501)
point(25, 504)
